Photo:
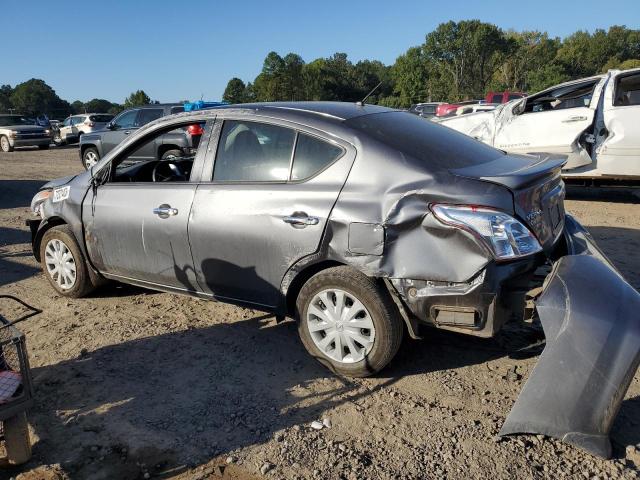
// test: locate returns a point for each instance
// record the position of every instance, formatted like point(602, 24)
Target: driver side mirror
point(111, 126)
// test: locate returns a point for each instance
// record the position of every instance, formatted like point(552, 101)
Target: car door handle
point(300, 220)
point(576, 118)
point(127, 132)
point(165, 211)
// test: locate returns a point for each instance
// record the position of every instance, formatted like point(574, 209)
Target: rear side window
point(77, 120)
point(628, 91)
point(101, 118)
point(177, 110)
point(253, 152)
point(430, 144)
point(148, 115)
point(312, 155)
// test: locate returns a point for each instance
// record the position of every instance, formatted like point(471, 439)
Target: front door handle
point(300, 220)
point(165, 211)
point(576, 118)
point(127, 132)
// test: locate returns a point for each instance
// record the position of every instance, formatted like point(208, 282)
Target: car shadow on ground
point(10, 270)
point(18, 193)
point(202, 392)
point(604, 194)
point(617, 242)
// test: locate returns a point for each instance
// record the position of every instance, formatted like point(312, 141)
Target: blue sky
point(177, 50)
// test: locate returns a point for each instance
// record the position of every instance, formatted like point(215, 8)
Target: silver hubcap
point(60, 263)
point(340, 326)
point(90, 159)
point(5, 144)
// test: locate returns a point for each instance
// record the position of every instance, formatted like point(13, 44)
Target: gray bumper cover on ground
point(591, 319)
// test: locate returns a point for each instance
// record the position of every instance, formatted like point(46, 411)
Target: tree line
point(34, 97)
point(457, 61)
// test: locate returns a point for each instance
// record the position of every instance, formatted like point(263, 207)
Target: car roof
point(335, 110)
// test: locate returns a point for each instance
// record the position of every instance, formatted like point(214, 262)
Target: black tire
point(83, 284)
point(5, 146)
point(387, 322)
point(86, 156)
point(17, 442)
point(43, 147)
point(173, 153)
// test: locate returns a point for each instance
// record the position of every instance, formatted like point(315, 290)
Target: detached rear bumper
point(591, 320)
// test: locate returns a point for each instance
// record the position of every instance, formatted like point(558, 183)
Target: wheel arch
point(45, 225)
point(300, 278)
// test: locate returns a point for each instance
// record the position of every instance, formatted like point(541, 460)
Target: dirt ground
point(136, 384)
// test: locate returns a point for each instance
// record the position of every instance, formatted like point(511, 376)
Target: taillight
point(195, 129)
point(89, 124)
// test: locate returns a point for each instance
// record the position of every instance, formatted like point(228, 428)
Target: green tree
point(137, 99)
point(236, 91)
point(77, 106)
point(411, 78)
point(5, 98)
point(463, 57)
point(35, 97)
point(98, 105)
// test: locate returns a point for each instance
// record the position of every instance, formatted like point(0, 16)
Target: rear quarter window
point(428, 143)
point(312, 155)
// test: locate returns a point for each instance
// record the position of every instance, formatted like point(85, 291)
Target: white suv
point(74, 126)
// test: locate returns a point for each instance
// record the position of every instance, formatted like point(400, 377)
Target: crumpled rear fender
point(591, 320)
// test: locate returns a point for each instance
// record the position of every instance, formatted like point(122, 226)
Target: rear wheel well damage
point(46, 224)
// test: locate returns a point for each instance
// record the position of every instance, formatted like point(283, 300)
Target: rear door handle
point(576, 118)
point(300, 220)
point(165, 211)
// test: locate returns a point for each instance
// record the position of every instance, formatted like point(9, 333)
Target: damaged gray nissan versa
point(363, 223)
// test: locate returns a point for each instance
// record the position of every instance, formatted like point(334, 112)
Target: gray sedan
point(364, 224)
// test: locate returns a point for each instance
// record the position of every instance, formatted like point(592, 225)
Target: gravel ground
point(136, 384)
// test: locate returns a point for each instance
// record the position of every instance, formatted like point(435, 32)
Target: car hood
point(58, 182)
point(25, 128)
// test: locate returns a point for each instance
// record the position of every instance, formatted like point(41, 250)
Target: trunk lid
point(537, 189)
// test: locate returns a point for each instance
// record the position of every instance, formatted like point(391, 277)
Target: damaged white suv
point(593, 121)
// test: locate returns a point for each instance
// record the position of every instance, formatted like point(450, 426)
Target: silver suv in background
point(21, 131)
point(70, 130)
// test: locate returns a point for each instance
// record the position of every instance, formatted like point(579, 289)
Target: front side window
point(628, 91)
point(312, 155)
point(253, 152)
point(572, 96)
point(148, 115)
point(156, 158)
point(126, 119)
point(67, 122)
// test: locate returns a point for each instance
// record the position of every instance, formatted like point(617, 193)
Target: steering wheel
point(167, 171)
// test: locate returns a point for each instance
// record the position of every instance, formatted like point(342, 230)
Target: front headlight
point(38, 200)
point(506, 237)
point(13, 133)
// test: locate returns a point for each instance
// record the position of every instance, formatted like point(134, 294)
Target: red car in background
point(447, 109)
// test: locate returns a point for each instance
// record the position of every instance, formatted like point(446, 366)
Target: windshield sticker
point(60, 194)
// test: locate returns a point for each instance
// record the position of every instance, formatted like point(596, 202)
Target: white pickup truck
point(594, 121)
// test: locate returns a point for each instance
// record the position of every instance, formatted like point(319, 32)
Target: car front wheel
point(90, 157)
point(64, 264)
point(348, 322)
point(5, 146)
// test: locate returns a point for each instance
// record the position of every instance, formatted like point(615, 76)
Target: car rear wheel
point(90, 157)
point(5, 146)
point(63, 263)
point(348, 322)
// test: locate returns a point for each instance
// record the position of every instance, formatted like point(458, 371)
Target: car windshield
point(9, 120)
point(425, 141)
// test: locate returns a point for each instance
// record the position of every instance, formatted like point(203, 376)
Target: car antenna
point(361, 102)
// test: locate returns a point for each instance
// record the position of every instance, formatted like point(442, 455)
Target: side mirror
point(111, 126)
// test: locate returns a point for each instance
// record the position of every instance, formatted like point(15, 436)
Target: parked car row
point(443, 109)
point(73, 127)
point(21, 131)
